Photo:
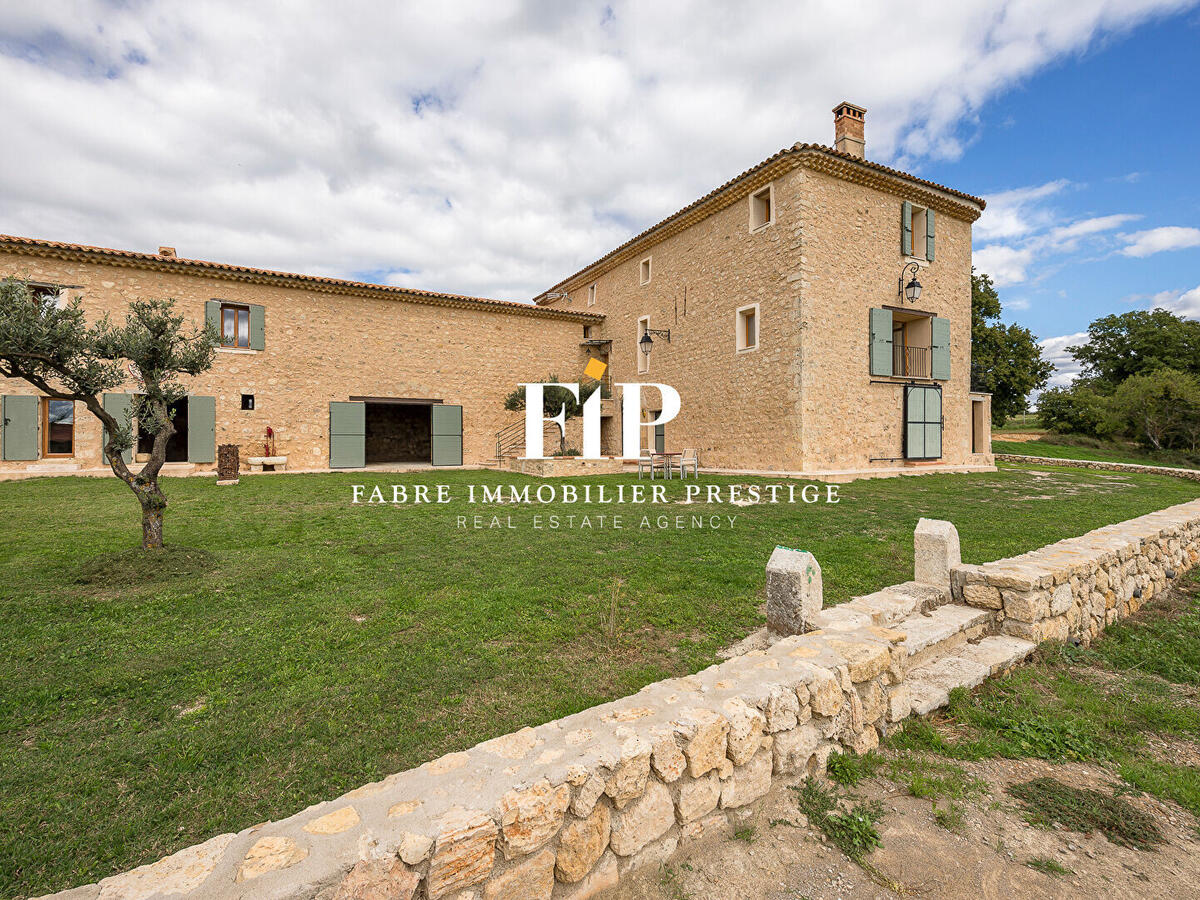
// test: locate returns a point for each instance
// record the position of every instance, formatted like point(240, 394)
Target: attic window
point(645, 270)
point(762, 208)
point(591, 295)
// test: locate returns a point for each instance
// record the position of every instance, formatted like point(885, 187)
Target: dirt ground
point(985, 860)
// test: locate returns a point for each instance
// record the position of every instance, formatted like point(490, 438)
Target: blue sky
point(490, 147)
point(1110, 132)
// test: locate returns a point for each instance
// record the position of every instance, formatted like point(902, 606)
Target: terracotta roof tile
point(158, 261)
point(798, 148)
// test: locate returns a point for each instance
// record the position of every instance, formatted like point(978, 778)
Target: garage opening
point(177, 444)
point(399, 432)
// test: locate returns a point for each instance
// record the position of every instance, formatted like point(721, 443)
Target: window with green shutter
point(922, 421)
point(940, 349)
point(917, 228)
point(881, 342)
point(239, 325)
point(19, 431)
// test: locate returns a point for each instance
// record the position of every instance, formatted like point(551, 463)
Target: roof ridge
point(233, 268)
point(798, 147)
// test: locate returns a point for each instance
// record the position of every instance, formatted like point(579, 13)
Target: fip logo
point(631, 414)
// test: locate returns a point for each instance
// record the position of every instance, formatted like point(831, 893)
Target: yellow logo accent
point(595, 369)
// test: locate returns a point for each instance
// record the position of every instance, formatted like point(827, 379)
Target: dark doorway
point(177, 446)
point(399, 433)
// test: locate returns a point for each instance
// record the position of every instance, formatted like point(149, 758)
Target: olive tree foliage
point(50, 345)
point(555, 399)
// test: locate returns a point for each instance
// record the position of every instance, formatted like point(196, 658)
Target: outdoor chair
point(689, 460)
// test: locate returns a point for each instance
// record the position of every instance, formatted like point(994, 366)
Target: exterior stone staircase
point(949, 644)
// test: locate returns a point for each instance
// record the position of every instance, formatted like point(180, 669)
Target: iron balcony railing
point(910, 362)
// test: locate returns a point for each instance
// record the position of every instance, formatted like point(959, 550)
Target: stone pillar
point(794, 593)
point(935, 552)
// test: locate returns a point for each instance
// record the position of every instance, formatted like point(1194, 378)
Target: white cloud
point(1186, 304)
point(486, 147)
point(1156, 240)
point(1024, 228)
point(1066, 368)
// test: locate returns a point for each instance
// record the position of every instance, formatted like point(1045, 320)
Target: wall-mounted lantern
point(911, 291)
point(646, 343)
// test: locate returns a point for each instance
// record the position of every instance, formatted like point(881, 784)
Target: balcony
point(910, 362)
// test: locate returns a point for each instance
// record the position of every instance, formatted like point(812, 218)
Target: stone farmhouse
point(814, 314)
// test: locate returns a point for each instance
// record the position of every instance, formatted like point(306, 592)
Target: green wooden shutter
point(19, 418)
point(660, 438)
point(940, 352)
point(447, 435)
point(202, 429)
point(906, 244)
point(929, 230)
point(881, 342)
point(922, 422)
point(347, 435)
point(212, 315)
point(117, 406)
point(258, 328)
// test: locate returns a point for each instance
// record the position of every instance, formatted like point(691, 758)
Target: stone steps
point(930, 684)
point(942, 630)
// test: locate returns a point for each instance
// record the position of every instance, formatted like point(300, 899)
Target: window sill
point(747, 349)
point(921, 261)
point(763, 227)
point(239, 350)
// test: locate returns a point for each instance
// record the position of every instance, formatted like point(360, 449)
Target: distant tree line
point(1140, 380)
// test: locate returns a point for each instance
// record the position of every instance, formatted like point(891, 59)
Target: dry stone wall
point(1190, 474)
point(563, 811)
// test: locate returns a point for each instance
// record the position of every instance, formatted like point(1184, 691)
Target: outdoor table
point(666, 457)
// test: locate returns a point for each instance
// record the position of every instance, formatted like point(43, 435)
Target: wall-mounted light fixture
point(911, 291)
point(646, 343)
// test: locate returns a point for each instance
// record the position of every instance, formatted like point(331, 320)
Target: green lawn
point(1104, 453)
point(308, 646)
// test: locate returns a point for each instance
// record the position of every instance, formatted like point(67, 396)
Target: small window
point(762, 208)
point(642, 358)
point(591, 295)
point(247, 401)
point(747, 327)
point(645, 270)
point(58, 428)
point(918, 232)
point(587, 332)
point(235, 326)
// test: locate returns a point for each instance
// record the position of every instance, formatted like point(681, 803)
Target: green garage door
point(19, 417)
point(447, 435)
point(922, 422)
point(347, 435)
point(202, 429)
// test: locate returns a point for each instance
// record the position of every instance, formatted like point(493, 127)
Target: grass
point(950, 817)
point(1049, 802)
point(1048, 866)
point(852, 830)
point(934, 779)
point(305, 646)
point(746, 834)
point(849, 769)
point(1101, 705)
point(1065, 447)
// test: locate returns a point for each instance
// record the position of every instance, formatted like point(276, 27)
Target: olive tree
point(49, 344)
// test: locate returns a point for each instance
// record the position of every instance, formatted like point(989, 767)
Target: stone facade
point(767, 286)
point(565, 810)
point(325, 341)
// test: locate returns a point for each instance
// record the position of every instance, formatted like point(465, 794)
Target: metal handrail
point(912, 362)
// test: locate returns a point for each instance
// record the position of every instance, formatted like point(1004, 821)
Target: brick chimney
point(848, 124)
point(170, 251)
